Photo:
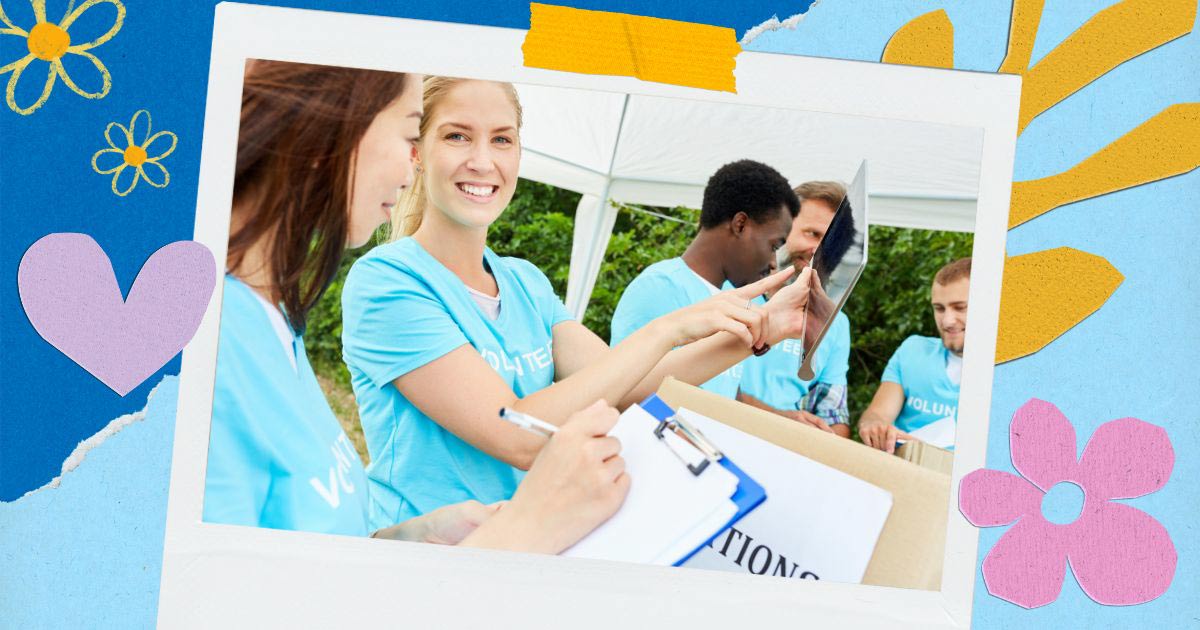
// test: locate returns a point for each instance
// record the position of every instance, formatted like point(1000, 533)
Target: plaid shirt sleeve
point(827, 402)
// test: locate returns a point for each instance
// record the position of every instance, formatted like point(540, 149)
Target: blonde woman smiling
point(440, 333)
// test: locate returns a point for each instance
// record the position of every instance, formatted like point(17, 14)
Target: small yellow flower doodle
point(50, 42)
point(133, 158)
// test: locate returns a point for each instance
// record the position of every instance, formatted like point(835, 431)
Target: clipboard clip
point(691, 435)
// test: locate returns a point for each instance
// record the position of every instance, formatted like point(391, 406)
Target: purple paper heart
point(71, 296)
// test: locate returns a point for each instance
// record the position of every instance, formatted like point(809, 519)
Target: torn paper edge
point(84, 447)
point(774, 24)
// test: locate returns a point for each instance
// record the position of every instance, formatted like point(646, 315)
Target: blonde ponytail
point(408, 211)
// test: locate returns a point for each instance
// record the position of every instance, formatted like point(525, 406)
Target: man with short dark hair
point(919, 389)
point(745, 216)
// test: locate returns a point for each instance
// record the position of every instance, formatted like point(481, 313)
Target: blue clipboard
point(749, 493)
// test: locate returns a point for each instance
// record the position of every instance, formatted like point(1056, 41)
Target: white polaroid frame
point(225, 576)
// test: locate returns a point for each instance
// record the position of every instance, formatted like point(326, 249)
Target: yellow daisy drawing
point(50, 42)
point(130, 162)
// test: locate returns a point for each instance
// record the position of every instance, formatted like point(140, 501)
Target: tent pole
point(601, 226)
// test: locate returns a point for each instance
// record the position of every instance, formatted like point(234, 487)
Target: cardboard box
point(909, 551)
point(927, 456)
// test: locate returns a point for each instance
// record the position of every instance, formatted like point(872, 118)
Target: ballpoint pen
point(528, 422)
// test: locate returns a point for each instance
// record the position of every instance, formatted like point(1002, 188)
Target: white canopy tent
point(660, 151)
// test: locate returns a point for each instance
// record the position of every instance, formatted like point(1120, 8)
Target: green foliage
point(638, 240)
point(891, 300)
point(323, 336)
point(538, 225)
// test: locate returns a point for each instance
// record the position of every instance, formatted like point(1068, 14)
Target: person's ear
point(738, 223)
point(416, 160)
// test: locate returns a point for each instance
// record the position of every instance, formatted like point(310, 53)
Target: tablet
point(839, 261)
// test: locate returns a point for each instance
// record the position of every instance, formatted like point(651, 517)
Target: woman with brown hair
point(323, 153)
point(439, 332)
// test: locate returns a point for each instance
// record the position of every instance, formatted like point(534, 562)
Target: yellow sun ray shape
point(1168, 144)
point(1066, 284)
point(1022, 31)
point(1112, 37)
point(927, 40)
point(50, 42)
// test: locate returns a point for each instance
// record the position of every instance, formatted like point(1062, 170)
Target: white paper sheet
point(817, 522)
point(698, 535)
point(939, 433)
point(666, 502)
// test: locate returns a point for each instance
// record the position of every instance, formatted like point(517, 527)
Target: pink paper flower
point(1119, 554)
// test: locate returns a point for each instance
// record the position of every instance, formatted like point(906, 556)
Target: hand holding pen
point(576, 483)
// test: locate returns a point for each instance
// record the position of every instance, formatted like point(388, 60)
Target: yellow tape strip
point(651, 49)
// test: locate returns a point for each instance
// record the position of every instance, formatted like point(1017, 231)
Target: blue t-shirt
point(402, 309)
point(919, 366)
point(666, 286)
point(277, 456)
point(772, 377)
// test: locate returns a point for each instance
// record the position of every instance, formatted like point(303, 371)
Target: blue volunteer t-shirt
point(772, 377)
point(919, 366)
point(277, 456)
point(661, 288)
point(402, 309)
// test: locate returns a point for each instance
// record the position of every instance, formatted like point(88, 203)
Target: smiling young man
point(745, 217)
point(770, 382)
point(919, 392)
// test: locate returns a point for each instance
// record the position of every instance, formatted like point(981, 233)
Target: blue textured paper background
point(88, 553)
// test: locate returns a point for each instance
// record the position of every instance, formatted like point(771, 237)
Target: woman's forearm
point(626, 374)
point(695, 363)
point(593, 372)
point(609, 377)
point(698, 362)
point(714, 334)
point(633, 369)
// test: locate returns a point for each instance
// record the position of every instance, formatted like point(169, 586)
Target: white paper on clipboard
point(664, 516)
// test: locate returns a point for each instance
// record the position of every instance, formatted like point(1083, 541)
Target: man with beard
point(920, 383)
